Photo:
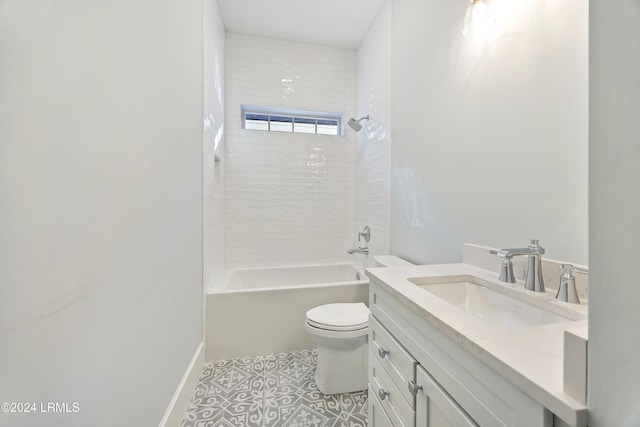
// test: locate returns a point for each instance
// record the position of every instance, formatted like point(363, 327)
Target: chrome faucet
point(533, 280)
point(359, 250)
point(366, 235)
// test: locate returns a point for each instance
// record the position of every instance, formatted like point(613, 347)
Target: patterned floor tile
point(296, 369)
point(251, 417)
point(355, 403)
point(349, 421)
point(276, 412)
point(303, 416)
point(230, 379)
point(203, 416)
point(275, 362)
point(327, 404)
point(276, 390)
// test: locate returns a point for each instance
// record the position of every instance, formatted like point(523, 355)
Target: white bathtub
point(262, 310)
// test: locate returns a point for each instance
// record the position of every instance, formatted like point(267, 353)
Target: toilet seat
point(340, 317)
point(337, 328)
point(337, 335)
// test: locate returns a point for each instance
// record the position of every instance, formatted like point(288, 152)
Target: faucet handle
point(506, 271)
point(569, 268)
point(581, 270)
point(366, 234)
point(567, 289)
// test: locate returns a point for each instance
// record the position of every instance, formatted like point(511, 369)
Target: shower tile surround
point(213, 132)
point(289, 198)
point(274, 390)
point(373, 143)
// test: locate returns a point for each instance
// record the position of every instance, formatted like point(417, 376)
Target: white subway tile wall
point(373, 142)
point(289, 198)
point(213, 132)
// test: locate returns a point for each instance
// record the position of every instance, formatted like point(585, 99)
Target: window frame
point(293, 114)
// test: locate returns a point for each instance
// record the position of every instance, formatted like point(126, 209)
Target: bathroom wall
point(373, 142)
point(489, 133)
point(101, 213)
point(288, 197)
point(213, 165)
point(614, 203)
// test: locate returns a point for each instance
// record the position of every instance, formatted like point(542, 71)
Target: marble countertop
point(531, 357)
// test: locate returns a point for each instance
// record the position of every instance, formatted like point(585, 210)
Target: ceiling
point(336, 23)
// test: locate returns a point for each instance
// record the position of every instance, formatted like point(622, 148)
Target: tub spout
point(359, 250)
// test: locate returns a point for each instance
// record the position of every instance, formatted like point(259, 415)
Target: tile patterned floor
point(277, 390)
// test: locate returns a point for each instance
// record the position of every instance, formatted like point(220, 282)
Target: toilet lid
point(339, 317)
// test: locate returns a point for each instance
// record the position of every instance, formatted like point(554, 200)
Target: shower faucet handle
point(366, 234)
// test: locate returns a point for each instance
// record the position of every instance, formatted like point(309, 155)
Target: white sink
point(490, 304)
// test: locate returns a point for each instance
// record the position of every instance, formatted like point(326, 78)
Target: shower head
point(355, 124)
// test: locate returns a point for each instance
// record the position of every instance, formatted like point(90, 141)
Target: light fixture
point(477, 21)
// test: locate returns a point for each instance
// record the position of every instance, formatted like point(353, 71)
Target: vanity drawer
point(390, 398)
point(377, 416)
point(398, 363)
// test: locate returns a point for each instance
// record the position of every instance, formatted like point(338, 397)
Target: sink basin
point(474, 297)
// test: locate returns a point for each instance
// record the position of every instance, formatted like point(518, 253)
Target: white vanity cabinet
point(419, 375)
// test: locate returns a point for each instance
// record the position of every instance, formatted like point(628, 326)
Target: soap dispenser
point(567, 289)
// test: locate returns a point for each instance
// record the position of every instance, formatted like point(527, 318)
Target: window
point(288, 120)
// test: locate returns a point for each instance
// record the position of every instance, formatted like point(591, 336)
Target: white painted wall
point(373, 142)
point(288, 197)
point(214, 35)
point(101, 213)
point(614, 203)
point(489, 135)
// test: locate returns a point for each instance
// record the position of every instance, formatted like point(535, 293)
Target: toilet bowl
point(340, 332)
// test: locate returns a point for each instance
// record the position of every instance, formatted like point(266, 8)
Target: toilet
point(340, 331)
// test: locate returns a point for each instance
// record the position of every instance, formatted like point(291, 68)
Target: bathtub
point(259, 311)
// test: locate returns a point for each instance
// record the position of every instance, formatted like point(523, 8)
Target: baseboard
point(182, 397)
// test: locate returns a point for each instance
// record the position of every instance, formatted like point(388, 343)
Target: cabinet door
point(434, 407)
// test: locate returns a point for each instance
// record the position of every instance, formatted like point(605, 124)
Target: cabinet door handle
point(383, 394)
point(413, 387)
point(382, 352)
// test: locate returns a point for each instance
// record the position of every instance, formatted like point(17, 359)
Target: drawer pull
point(383, 394)
point(382, 353)
point(413, 387)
